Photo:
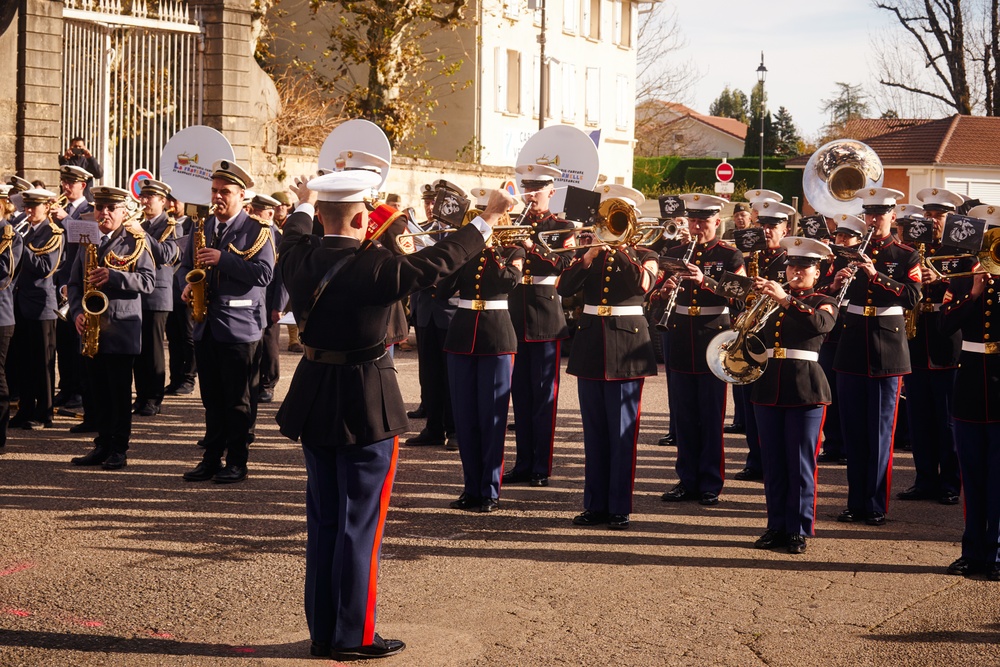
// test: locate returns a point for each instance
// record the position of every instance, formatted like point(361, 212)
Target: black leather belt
point(348, 358)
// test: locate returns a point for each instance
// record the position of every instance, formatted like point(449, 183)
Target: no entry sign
point(724, 172)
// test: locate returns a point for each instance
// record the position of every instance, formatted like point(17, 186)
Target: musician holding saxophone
point(873, 355)
point(11, 246)
point(790, 398)
point(698, 396)
point(109, 276)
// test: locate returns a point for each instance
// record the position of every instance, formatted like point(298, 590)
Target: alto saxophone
point(196, 276)
point(94, 302)
point(912, 316)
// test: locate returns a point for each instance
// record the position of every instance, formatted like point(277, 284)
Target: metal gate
point(132, 77)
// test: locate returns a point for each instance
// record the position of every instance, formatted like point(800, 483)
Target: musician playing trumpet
point(790, 398)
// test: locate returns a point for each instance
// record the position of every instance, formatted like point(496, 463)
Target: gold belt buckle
point(694, 311)
point(779, 353)
point(926, 307)
point(870, 311)
point(526, 280)
point(991, 348)
point(604, 311)
point(478, 304)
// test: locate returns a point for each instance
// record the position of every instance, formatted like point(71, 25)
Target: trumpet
point(672, 230)
point(989, 258)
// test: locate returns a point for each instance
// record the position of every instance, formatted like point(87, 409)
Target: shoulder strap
point(321, 287)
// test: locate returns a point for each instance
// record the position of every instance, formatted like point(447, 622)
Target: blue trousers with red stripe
point(868, 422)
point(480, 397)
point(979, 456)
point(534, 393)
point(700, 401)
point(789, 444)
point(932, 436)
point(610, 412)
point(347, 496)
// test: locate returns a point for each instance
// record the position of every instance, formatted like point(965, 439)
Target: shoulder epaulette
point(137, 232)
point(56, 229)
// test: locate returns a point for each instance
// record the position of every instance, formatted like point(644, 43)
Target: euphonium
point(196, 276)
point(94, 303)
point(738, 356)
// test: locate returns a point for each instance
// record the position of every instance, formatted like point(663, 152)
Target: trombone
point(989, 258)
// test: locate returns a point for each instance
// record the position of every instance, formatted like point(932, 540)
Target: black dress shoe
point(770, 539)
point(489, 505)
point(83, 427)
point(33, 425)
point(948, 498)
point(425, 439)
point(231, 474)
point(677, 494)
point(116, 461)
point(170, 390)
point(203, 472)
point(796, 544)
point(734, 428)
point(515, 477)
point(708, 498)
point(451, 443)
point(96, 457)
point(60, 399)
point(588, 518)
point(914, 493)
point(511, 427)
point(827, 457)
point(71, 407)
point(962, 567)
point(184, 389)
point(538, 479)
point(466, 502)
point(749, 475)
point(875, 518)
point(618, 521)
point(266, 396)
point(667, 441)
point(380, 648)
point(849, 516)
point(148, 409)
point(319, 649)
point(419, 413)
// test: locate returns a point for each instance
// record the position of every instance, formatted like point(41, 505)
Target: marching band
point(818, 340)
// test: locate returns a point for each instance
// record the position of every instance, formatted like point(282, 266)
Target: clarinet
point(854, 267)
point(672, 303)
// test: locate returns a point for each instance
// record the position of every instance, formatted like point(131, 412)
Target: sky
point(808, 46)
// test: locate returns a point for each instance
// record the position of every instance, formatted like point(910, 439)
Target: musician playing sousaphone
point(790, 398)
point(537, 315)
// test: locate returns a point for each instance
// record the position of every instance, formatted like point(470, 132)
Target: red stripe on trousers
point(383, 507)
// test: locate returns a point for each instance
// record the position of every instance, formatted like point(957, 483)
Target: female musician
point(790, 398)
point(611, 355)
point(480, 346)
point(970, 306)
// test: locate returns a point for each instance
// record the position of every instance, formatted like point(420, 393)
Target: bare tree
point(957, 41)
point(660, 76)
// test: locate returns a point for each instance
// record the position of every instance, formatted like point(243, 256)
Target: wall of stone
point(39, 96)
point(8, 103)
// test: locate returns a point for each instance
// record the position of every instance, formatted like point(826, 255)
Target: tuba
point(835, 173)
point(94, 302)
point(738, 356)
point(196, 276)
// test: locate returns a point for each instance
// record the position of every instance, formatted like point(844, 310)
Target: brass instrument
point(94, 301)
point(835, 173)
point(738, 356)
point(912, 316)
point(510, 234)
point(753, 271)
point(672, 303)
point(617, 225)
point(503, 226)
point(672, 230)
point(196, 277)
point(989, 258)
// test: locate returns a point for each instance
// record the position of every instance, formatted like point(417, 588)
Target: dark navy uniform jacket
point(121, 323)
point(931, 348)
point(355, 404)
point(12, 244)
point(536, 310)
point(34, 289)
point(236, 285)
point(825, 286)
point(610, 347)
point(877, 346)
point(162, 240)
point(489, 276)
point(801, 326)
point(690, 335)
point(977, 385)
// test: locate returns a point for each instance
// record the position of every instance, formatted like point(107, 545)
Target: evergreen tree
point(786, 135)
point(758, 103)
point(730, 104)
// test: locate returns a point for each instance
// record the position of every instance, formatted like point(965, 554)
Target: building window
point(622, 22)
point(569, 92)
point(511, 9)
point(593, 96)
point(622, 95)
point(591, 27)
point(508, 81)
point(571, 16)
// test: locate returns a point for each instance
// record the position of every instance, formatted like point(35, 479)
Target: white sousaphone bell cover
point(570, 150)
point(186, 162)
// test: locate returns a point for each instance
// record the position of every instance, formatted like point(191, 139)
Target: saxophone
point(94, 302)
point(911, 317)
point(196, 276)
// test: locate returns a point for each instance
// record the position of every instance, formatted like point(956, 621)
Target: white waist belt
point(479, 304)
point(612, 311)
point(874, 311)
point(787, 353)
point(981, 348)
point(695, 311)
point(539, 280)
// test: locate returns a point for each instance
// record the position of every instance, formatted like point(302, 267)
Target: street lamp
point(761, 75)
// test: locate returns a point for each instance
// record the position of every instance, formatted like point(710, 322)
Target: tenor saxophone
point(95, 302)
point(196, 276)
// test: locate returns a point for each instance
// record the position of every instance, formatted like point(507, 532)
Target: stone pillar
point(39, 90)
point(228, 61)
